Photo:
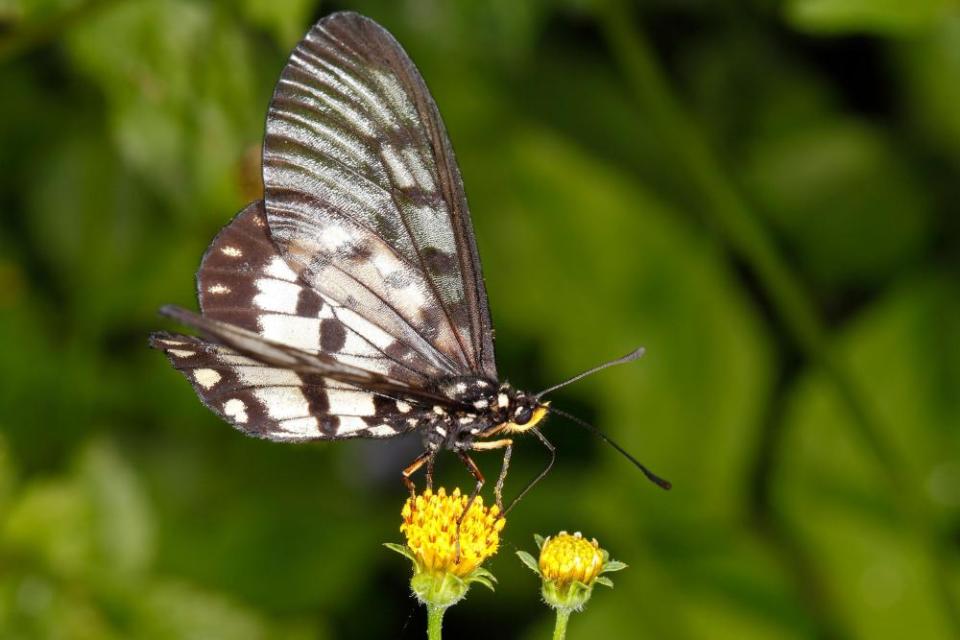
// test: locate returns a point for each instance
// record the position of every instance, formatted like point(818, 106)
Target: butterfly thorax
point(479, 408)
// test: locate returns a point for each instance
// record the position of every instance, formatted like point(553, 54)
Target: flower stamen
point(447, 534)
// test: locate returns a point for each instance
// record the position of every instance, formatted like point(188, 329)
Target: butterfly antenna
point(630, 357)
point(651, 476)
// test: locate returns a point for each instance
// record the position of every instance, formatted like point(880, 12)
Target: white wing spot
point(236, 409)
point(382, 431)
point(283, 403)
point(354, 403)
point(218, 289)
point(233, 252)
point(206, 378)
point(278, 268)
point(350, 424)
point(386, 263)
point(403, 407)
point(296, 331)
point(502, 400)
point(182, 353)
point(276, 295)
point(396, 95)
point(401, 174)
point(334, 237)
point(302, 427)
point(423, 177)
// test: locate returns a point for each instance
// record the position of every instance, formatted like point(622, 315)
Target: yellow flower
point(430, 525)
point(566, 558)
point(447, 561)
point(570, 566)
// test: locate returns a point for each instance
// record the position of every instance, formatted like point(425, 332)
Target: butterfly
point(349, 301)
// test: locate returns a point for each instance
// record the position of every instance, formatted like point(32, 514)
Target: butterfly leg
point(430, 464)
point(478, 476)
point(424, 458)
point(507, 445)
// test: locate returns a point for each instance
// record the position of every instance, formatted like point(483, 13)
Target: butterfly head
point(520, 410)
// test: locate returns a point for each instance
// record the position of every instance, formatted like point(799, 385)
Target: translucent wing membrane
point(365, 203)
point(278, 403)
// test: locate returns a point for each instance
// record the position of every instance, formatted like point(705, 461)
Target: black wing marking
point(245, 282)
point(280, 404)
point(364, 197)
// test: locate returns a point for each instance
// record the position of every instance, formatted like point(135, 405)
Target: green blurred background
point(763, 193)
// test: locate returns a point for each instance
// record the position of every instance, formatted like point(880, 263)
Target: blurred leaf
point(499, 30)
point(287, 20)
point(33, 605)
point(562, 224)
point(93, 522)
point(877, 16)
point(179, 81)
point(87, 215)
point(929, 69)
point(27, 11)
point(7, 473)
point(178, 610)
point(826, 185)
point(266, 520)
point(906, 354)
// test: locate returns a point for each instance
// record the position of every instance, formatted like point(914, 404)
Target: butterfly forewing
point(364, 199)
point(278, 403)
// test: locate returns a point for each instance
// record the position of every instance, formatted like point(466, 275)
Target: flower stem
point(560, 629)
point(434, 621)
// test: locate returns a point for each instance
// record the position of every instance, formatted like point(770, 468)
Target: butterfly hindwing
point(364, 199)
point(278, 403)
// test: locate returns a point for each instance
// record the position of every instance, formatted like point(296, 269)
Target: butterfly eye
point(523, 416)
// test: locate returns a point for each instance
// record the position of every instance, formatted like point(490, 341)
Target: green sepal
point(481, 572)
point(482, 576)
point(438, 589)
point(605, 581)
point(402, 550)
point(571, 595)
point(529, 561)
point(539, 539)
point(613, 565)
point(484, 581)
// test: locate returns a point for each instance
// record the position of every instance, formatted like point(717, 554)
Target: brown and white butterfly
point(349, 302)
